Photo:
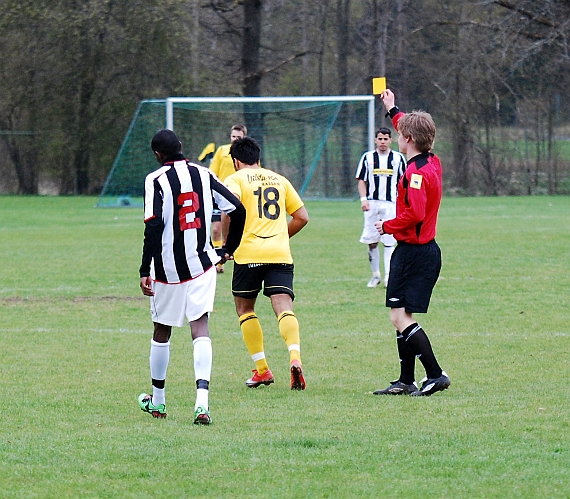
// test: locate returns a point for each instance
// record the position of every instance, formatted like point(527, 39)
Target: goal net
point(315, 142)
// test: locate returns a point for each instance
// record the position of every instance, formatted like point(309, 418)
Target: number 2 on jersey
point(271, 198)
point(189, 203)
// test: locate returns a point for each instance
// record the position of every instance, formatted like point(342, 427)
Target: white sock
point(202, 367)
point(201, 398)
point(159, 358)
point(158, 396)
point(388, 250)
point(374, 258)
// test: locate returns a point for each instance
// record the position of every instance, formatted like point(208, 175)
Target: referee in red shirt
point(416, 261)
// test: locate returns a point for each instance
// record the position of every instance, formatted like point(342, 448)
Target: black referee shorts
point(276, 278)
point(414, 270)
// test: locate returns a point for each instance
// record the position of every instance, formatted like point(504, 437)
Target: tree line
point(493, 73)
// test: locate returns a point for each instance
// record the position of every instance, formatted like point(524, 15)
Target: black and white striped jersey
point(178, 204)
point(381, 172)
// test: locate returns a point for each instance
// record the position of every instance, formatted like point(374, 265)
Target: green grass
point(75, 333)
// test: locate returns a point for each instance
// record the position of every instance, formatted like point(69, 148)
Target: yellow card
point(378, 85)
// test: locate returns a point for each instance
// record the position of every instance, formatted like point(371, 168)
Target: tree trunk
point(343, 47)
point(250, 66)
point(194, 39)
point(549, 136)
point(25, 167)
point(250, 48)
point(379, 48)
point(402, 66)
point(322, 42)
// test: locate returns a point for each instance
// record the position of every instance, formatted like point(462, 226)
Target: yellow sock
point(217, 244)
point(253, 339)
point(289, 329)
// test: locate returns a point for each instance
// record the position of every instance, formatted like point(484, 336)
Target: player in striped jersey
point(263, 259)
point(378, 174)
point(177, 270)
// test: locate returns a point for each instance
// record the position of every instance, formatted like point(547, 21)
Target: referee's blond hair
point(420, 128)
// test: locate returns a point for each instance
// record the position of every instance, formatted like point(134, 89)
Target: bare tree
point(493, 73)
point(539, 35)
point(87, 63)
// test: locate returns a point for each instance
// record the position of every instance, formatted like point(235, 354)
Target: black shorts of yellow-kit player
point(275, 278)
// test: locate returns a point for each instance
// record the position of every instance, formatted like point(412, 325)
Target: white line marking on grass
point(58, 330)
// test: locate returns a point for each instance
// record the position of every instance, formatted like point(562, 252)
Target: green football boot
point(145, 402)
point(202, 416)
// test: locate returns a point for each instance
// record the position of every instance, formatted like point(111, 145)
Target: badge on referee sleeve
point(416, 181)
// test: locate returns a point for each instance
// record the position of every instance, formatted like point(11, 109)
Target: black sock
point(407, 360)
point(158, 383)
point(418, 342)
point(202, 383)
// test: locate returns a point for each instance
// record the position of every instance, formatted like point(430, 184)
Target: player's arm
point(225, 225)
point(153, 227)
point(362, 193)
point(234, 230)
point(233, 187)
point(362, 177)
point(152, 240)
point(299, 219)
point(389, 100)
point(233, 218)
point(233, 224)
point(295, 207)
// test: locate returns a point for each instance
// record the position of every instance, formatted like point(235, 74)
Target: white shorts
point(191, 299)
point(379, 210)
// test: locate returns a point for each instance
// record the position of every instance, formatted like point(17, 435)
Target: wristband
point(363, 198)
point(393, 111)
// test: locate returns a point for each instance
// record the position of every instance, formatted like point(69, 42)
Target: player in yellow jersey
point(263, 258)
point(223, 166)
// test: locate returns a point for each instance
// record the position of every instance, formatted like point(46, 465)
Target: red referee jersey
point(419, 198)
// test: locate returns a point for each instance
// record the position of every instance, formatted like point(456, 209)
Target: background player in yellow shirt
point(223, 166)
point(263, 258)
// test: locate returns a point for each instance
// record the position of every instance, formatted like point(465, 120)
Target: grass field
point(75, 333)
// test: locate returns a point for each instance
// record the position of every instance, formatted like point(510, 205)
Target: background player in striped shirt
point(378, 174)
point(177, 269)
point(416, 262)
point(223, 166)
point(263, 258)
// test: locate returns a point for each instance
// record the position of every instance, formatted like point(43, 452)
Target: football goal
point(316, 142)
